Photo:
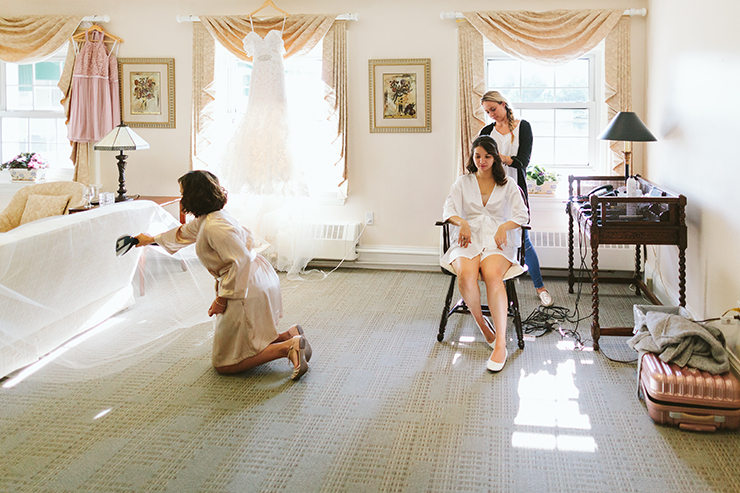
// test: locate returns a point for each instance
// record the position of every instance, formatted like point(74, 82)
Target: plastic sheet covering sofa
point(59, 276)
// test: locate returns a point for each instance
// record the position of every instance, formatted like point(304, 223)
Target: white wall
point(693, 95)
point(402, 178)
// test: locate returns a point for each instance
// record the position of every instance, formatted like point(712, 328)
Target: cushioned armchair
point(41, 200)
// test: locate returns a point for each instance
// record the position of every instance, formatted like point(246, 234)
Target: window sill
point(9, 187)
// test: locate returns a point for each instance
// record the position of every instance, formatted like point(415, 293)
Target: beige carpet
point(384, 407)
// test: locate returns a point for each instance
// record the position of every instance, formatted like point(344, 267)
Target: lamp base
point(125, 198)
point(121, 197)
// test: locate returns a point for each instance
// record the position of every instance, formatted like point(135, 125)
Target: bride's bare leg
point(493, 269)
point(467, 282)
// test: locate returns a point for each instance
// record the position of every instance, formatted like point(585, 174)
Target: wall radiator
point(333, 241)
point(552, 250)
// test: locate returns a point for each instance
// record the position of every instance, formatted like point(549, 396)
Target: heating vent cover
point(333, 241)
point(552, 250)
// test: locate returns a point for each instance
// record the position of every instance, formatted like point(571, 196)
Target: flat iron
point(124, 244)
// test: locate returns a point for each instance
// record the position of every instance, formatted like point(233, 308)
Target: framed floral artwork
point(147, 92)
point(400, 95)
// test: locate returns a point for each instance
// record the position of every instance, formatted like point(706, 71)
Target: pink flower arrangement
point(26, 160)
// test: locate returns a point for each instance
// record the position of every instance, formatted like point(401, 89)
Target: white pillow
point(40, 206)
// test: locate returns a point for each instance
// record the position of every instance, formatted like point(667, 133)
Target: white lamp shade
point(121, 138)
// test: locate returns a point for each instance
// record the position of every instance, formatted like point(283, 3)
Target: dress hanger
point(80, 36)
point(269, 3)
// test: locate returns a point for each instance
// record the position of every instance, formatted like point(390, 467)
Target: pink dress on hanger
point(94, 107)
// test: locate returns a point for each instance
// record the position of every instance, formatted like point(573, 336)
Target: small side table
point(161, 200)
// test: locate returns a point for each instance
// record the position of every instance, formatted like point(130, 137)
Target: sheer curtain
point(281, 221)
point(32, 38)
point(553, 36)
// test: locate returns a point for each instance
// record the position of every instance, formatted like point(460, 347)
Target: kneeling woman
point(248, 301)
point(487, 207)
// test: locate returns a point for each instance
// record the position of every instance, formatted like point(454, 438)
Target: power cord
point(323, 274)
point(544, 320)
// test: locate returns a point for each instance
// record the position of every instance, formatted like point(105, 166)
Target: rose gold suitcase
point(688, 398)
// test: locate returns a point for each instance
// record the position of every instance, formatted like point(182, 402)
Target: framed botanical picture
point(147, 92)
point(400, 95)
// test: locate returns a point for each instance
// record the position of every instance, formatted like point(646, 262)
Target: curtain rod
point(96, 18)
point(458, 15)
point(195, 18)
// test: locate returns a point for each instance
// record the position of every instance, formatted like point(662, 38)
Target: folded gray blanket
point(681, 341)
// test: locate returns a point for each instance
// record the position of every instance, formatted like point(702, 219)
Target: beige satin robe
point(246, 278)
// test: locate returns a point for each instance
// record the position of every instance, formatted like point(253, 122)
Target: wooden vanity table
point(658, 217)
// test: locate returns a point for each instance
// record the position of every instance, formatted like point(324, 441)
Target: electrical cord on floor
point(323, 274)
point(544, 320)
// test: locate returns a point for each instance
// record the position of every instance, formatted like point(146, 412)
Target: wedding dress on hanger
point(258, 159)
point(267, 191)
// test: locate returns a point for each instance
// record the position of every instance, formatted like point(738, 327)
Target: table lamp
point(121, 138)
point(628, 127)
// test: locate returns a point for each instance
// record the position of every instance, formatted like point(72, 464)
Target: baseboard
point(388, 258)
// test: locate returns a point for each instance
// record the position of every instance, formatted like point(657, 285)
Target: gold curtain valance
point(301, 34)
point(32, 37)
point(553, 36)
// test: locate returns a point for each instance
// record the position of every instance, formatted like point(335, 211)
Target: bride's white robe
point(504, 204)
point(246, 278)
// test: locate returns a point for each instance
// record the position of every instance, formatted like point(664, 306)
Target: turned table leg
point(638, 270)
point(595, 329)
point(571, 277)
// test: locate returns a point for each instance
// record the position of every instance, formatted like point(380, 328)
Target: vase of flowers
point(26, 166)
point(541, 181)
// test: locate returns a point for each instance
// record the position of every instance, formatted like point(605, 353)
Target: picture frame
point(400, 95)
point(147, 87)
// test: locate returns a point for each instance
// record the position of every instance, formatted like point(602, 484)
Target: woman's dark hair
point(201, 193)
point(487, 143)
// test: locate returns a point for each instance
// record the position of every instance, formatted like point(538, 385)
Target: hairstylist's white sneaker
point(545, 298)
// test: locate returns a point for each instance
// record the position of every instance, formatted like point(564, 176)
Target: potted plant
point(541, 181)
point(26, 166)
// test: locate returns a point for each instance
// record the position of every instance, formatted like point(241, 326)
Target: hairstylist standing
point(514, 140)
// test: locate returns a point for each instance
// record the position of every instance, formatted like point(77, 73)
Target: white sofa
point(60, 276)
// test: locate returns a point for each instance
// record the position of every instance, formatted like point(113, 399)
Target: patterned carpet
point(383, 408)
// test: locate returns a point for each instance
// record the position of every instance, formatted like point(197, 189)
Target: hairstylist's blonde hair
point(496, 97)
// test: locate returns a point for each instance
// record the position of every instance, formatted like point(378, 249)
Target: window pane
point(534, 75)
point(542, 121)
point(47, 136)
point(47, 99)
point(503, 74)
point(571, 95)
point(571, 123)
point(511, 95)
point(11, 74)
point(48, 72)
point(43, 132)
point(538, 95)
point(25, 77)
point(572, 74)
point(571, 151)
point(15, 137)
point(17, 100)
point(542, 151)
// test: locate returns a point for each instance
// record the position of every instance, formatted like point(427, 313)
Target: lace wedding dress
point(258, 157)
point(267, 191)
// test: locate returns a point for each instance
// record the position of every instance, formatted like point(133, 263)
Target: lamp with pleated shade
point(121, 138)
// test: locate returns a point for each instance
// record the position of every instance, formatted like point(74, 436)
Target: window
point(563, 103)
point(312, 133)
point(31, 115)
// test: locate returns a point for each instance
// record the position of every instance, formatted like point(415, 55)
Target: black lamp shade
point(627, 126)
